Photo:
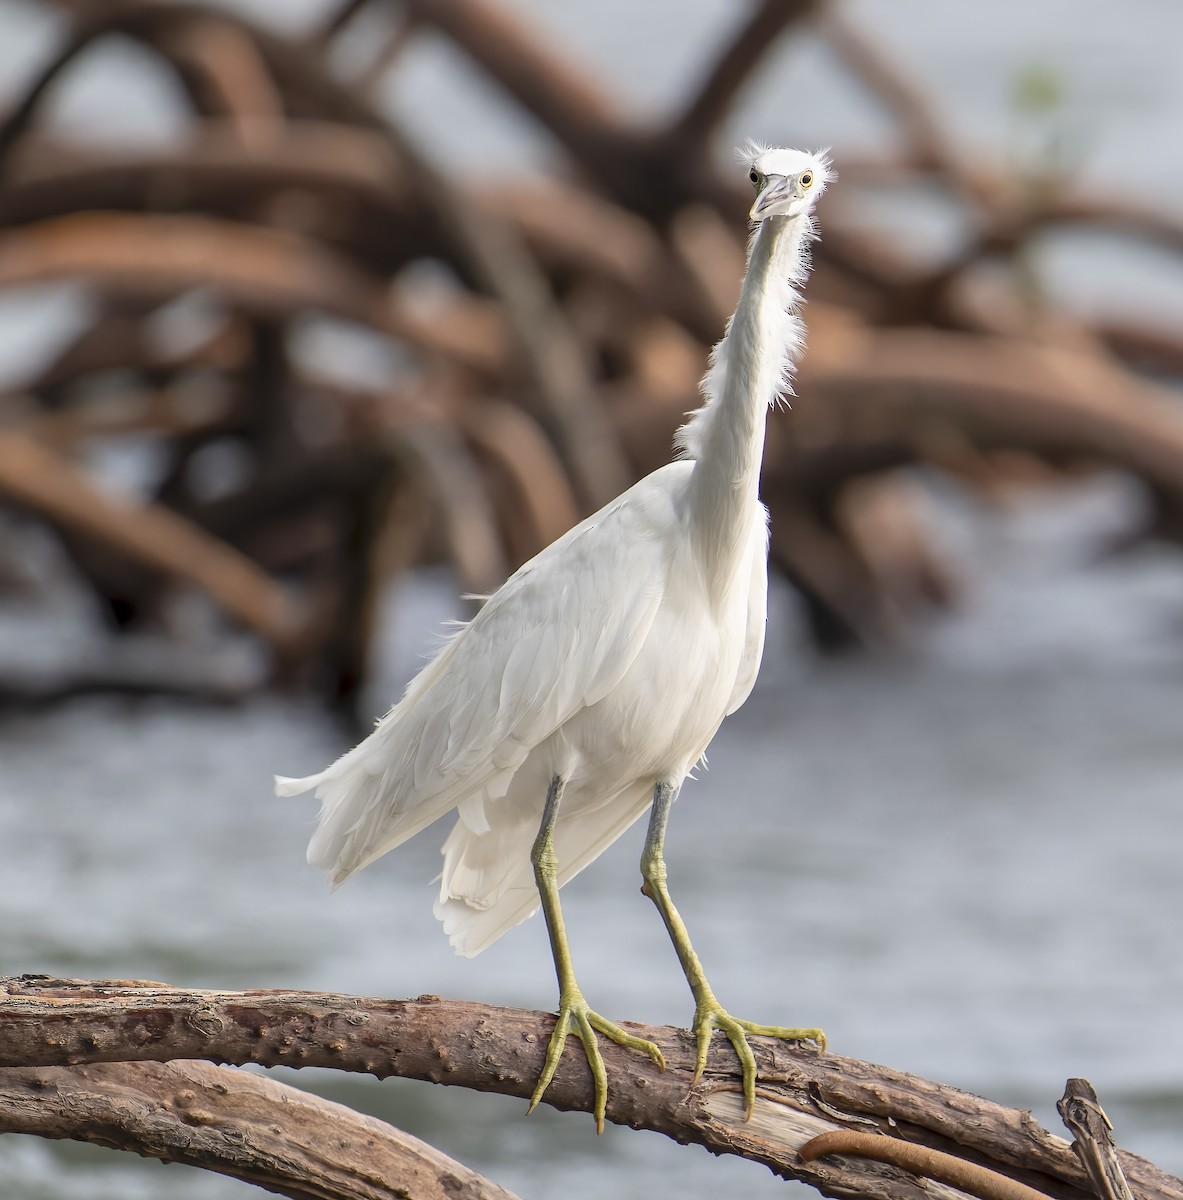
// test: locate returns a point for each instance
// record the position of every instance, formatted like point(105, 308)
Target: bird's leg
point(709, 1014)
point(574, 1014)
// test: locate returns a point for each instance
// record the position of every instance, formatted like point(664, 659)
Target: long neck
point(750, 368)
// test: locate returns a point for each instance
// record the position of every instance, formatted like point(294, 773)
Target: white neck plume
point(750, 369)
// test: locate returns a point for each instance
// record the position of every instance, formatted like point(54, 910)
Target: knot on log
point(206, 1021)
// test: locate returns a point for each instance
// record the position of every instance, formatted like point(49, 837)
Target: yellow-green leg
point(709, 1014)
point(574, 1014)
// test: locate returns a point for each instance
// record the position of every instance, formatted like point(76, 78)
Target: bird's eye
point(807, 179)
point(754, 176)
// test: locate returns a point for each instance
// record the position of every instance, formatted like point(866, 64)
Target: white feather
point(487, 885)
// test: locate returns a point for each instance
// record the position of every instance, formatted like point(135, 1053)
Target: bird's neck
point(750, 368)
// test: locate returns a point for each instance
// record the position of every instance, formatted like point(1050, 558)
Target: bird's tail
point(367, 807)
point(487, 884)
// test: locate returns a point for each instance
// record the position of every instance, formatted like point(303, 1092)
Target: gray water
point(960, 858)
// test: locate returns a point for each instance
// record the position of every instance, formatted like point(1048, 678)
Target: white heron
point(590, 684)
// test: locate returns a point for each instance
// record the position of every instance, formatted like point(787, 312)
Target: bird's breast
point(657, 721)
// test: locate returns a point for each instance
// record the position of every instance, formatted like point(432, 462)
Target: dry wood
point(919, 1160)
point(225, 68)
point(571, 229)
point(51, 1022)
point(1093, 1142)
point(234, 1123)
point(462, 502)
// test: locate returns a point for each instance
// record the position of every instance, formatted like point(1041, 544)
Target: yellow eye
point(807, 179)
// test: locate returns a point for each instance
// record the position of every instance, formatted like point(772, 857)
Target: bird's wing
point(558, 636)
point(753, 650)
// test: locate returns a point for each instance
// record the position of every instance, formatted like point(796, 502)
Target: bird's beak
point(776, 189)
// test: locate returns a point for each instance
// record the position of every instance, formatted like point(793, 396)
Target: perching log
point(801, 1093)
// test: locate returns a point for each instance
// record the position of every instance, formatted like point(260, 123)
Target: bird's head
point(787, 182)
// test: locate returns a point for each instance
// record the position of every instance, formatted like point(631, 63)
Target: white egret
point(590, 684)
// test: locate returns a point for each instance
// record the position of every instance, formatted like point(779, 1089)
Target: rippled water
point(960, 858)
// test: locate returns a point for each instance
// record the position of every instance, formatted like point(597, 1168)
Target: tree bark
point(801, 1092)
point(234, 1123)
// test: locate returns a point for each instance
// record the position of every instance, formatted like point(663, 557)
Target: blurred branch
point(543, 506)
point(231, 77)
point(929, 144)
point(926, 396)
point(212, 170)
point(1148, 349)
point(550, 353)
point(338, 18)
point(565, 98)
point(732, 70)
point(565, 325)
point(35, 478)
point(1113, 215)
point(397, 40)
point(573, 229)
point(463, 504)
point(637, 166)
point(259, 267)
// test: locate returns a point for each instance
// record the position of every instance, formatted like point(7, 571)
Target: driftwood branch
point(234, 1123)
point(1092, 1136)
point(919, 1160)
point(50, 1022)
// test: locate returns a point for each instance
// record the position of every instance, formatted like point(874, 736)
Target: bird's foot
point(575, 1017)
point(711, 1015)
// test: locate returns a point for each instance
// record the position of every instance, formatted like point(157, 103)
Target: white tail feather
point(360, 818)
point(487, 885)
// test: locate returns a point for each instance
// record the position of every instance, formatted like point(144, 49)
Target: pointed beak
point(777, 189)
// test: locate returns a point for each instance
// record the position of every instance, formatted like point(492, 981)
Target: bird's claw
point(711, 1016)
point(576, 1017)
